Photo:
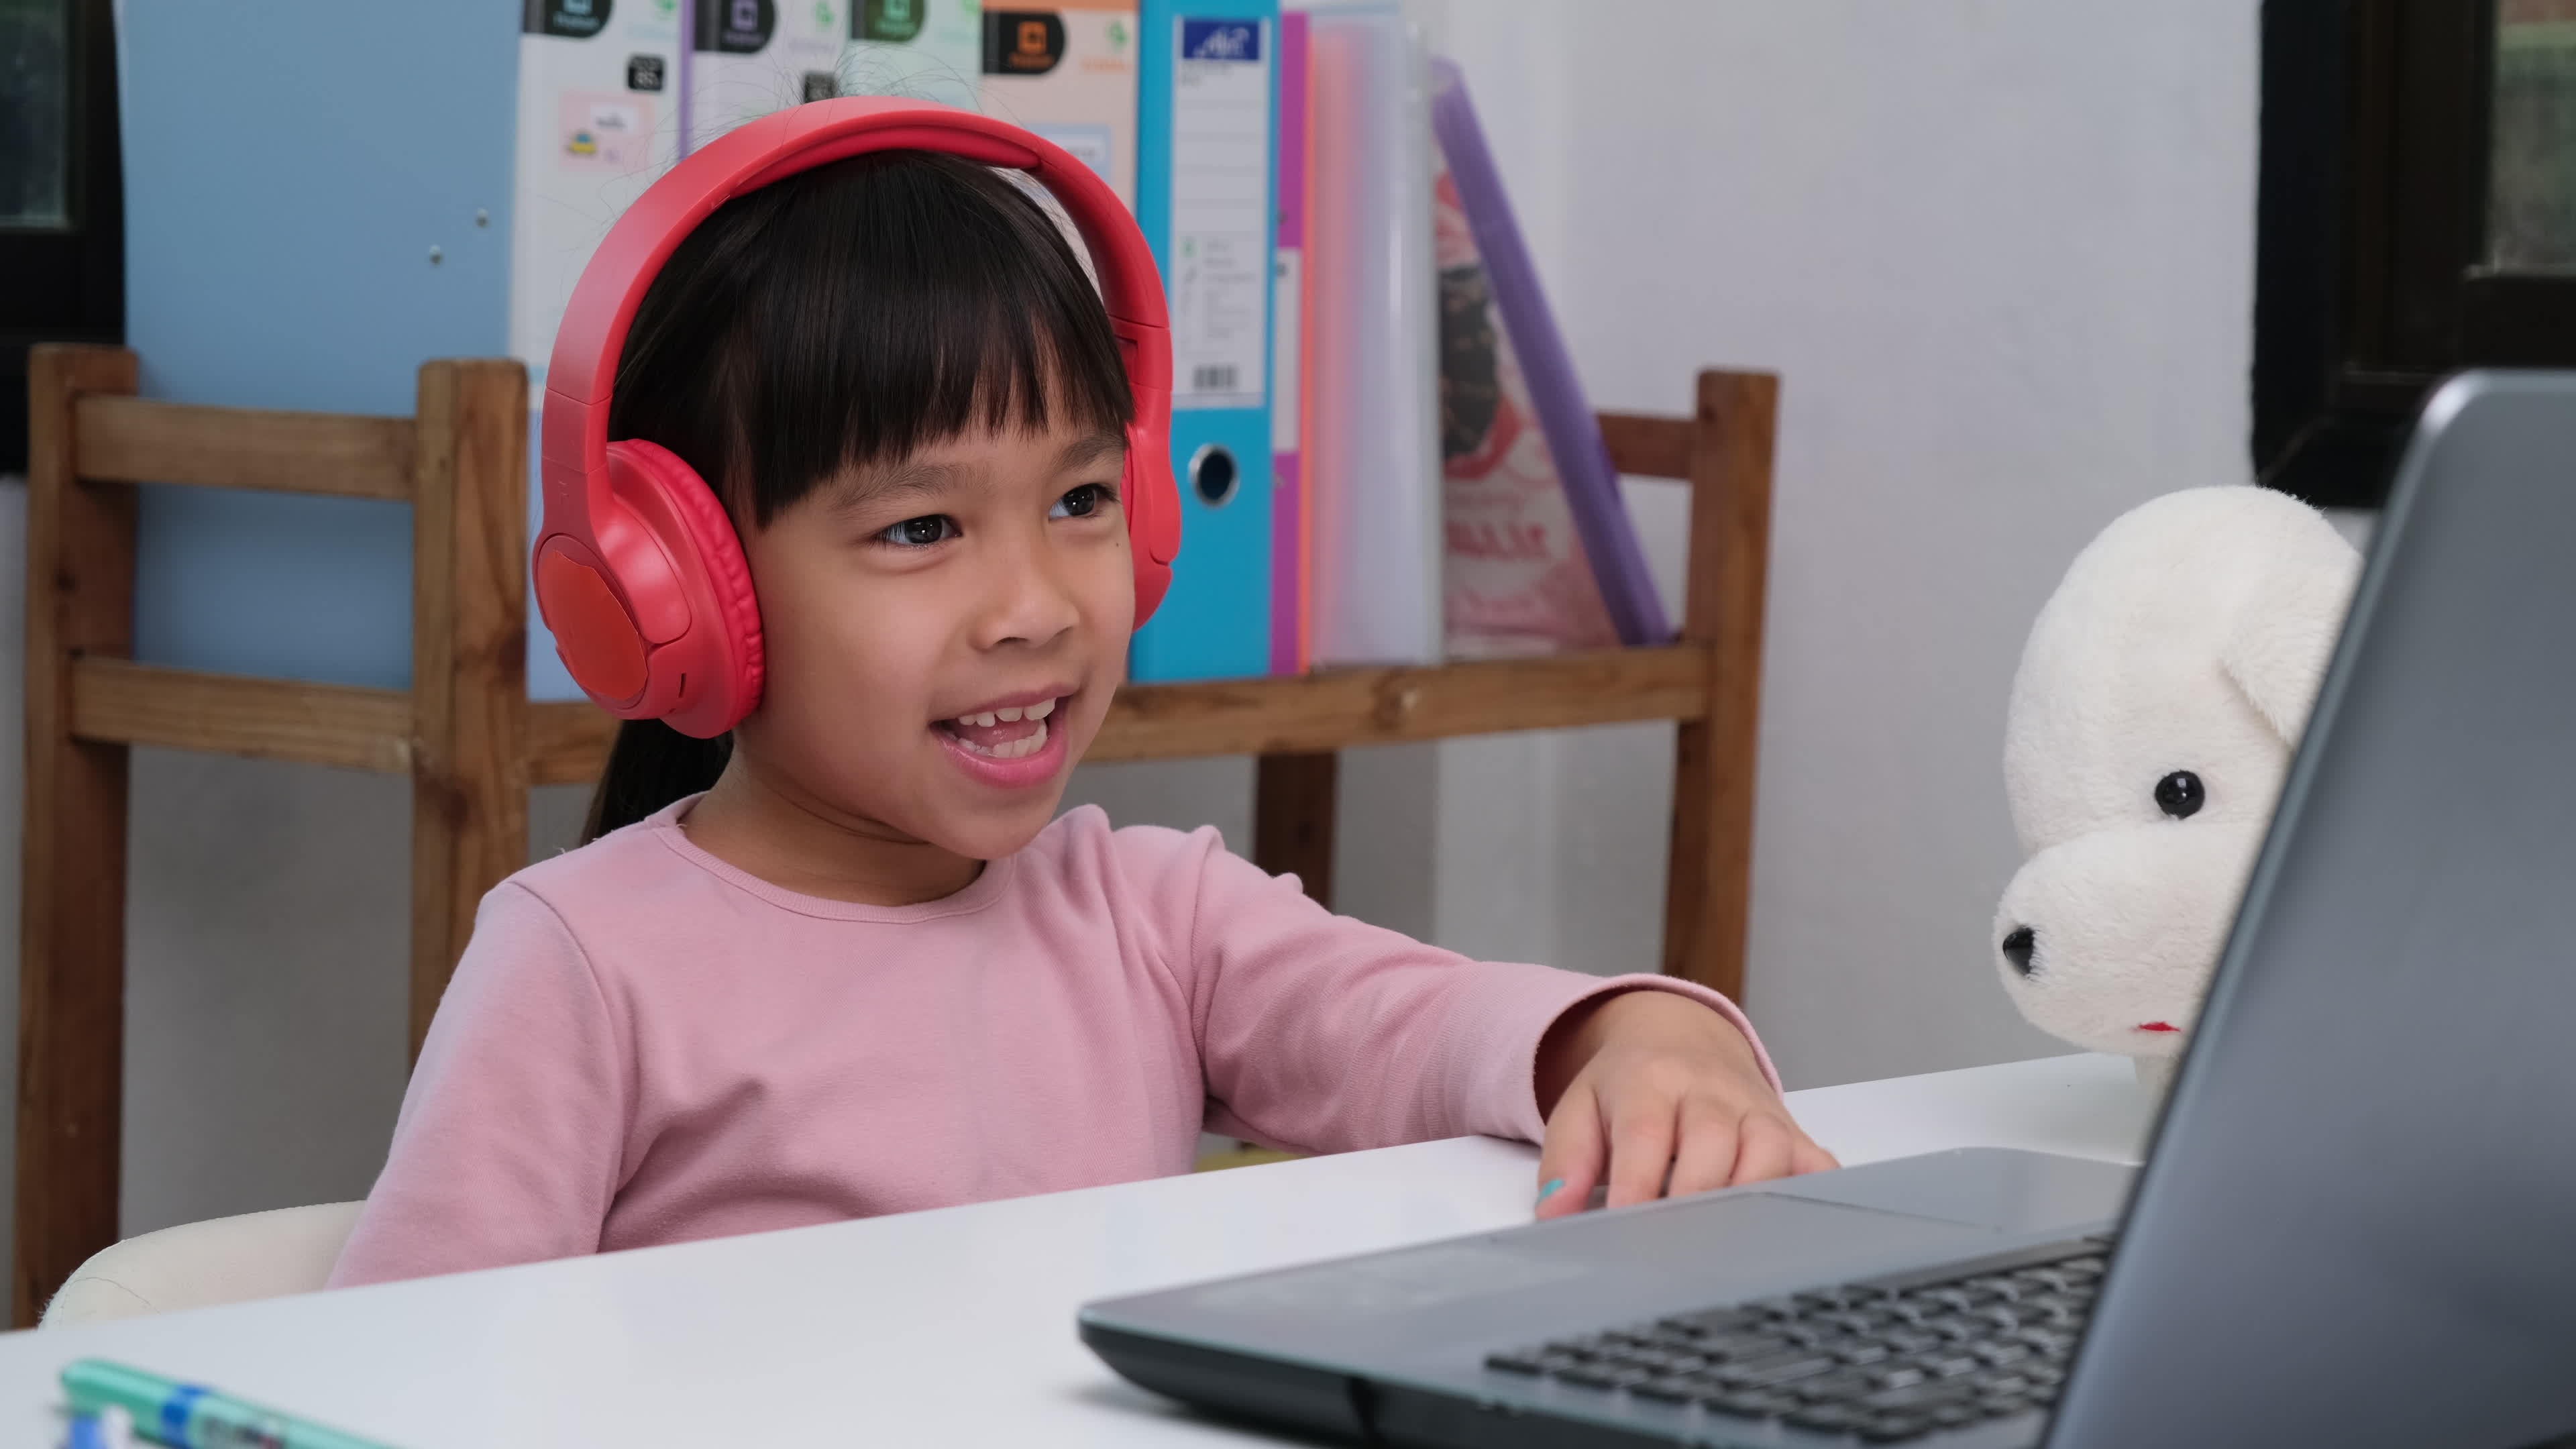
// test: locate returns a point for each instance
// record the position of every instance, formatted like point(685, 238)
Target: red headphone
point(638, 571)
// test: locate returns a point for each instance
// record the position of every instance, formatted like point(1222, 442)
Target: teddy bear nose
point(2018, 948)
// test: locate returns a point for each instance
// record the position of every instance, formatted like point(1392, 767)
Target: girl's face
point(943, 635)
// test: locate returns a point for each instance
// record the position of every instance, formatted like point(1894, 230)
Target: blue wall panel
point(288, 166)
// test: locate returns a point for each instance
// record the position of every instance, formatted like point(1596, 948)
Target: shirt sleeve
point(511, 1138)
point(1320, 1033)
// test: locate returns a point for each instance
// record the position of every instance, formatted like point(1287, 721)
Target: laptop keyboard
point(1885, 1359)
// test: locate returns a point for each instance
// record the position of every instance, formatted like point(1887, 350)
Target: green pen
point(192, 1416)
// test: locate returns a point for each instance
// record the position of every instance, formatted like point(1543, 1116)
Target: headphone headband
point(583, 368)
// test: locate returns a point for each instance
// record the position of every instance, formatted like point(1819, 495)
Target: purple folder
point(1573, 436)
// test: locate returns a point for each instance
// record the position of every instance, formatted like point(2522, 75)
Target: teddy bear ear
point(2287, 624)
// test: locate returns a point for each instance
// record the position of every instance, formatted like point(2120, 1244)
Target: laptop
point(2356, 1224)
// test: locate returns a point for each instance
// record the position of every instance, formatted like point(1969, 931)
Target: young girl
point(846, 962)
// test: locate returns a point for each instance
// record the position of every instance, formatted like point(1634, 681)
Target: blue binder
point(1207, 162)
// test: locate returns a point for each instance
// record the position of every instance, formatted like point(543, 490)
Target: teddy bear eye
point(2180, 794)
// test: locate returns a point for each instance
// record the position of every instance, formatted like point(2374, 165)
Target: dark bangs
point(856, 313)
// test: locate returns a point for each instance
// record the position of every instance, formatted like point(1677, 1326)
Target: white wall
point(2000, 251)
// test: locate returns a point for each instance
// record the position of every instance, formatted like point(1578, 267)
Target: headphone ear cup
point(715, 669)
point(1153, 517)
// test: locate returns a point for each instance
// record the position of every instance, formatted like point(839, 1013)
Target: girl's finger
point(1708, 1147)
point(1570, 1159)
point(1806, 1156)
point(1641, 1148)
point(1765, 1146)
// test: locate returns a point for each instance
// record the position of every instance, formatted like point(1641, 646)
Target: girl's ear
point(2287, 625)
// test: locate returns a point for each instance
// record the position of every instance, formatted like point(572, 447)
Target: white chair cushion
point(199, 1265)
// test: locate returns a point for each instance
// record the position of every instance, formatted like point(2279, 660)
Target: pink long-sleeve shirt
point(645, 1045)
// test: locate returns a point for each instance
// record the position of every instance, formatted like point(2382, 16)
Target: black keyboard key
point(1915, 1398)
point(1839, 1385)
point(1590, 1376)
point(2007, 1400)
point(1714, 1320)
point(1671, 1388)
point(1859, 1320)
point(1517, 1361)
point(1862, 1352)
point(2054, 1342)
point(1951, 1416)
point(1963, 1299)
point(1909, 1340)
point(1900, 1376)
point(1950, 1366)
point(1752, 1403)
point(1781, 1369)
point(1735, 1347)
point(1826, 1418)
point(1893, 1428)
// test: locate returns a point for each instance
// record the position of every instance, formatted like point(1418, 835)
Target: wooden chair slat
point(137, 440)
point(117, 701)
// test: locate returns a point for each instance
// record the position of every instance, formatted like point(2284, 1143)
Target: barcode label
point(1214, 378)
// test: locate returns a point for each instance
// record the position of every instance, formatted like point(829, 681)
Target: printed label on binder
point(1220, 213)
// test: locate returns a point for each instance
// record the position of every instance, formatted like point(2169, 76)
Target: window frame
point(67, 284)
point(2371, 282)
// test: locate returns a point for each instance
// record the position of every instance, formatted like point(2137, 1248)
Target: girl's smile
point(1007, 744)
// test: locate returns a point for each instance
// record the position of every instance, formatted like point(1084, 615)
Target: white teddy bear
point(2152, 721)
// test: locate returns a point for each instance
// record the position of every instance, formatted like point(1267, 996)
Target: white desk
point(934, 1328)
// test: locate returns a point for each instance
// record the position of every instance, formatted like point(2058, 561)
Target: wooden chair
point(472, 742)
point(459, 731)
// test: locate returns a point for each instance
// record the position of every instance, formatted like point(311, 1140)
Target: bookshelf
point(472, 742)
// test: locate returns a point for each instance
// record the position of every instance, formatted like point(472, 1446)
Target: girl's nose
point(1031, 599)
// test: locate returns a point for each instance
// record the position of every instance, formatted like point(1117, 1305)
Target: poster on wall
point(926, 50)
point(1068, 72)
point(751, 57)
point(599, 120)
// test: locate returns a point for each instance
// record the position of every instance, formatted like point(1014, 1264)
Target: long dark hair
point(846, 316)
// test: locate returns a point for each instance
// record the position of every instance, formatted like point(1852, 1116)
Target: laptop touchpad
point(1777, 1235)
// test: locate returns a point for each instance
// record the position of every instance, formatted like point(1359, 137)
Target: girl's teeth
point(992, 717)
point(1012, 749)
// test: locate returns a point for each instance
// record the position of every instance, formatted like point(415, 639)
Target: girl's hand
point(1650, 1083)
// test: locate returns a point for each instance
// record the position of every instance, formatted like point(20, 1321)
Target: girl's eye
point(920, 532)
point(1082, 502)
